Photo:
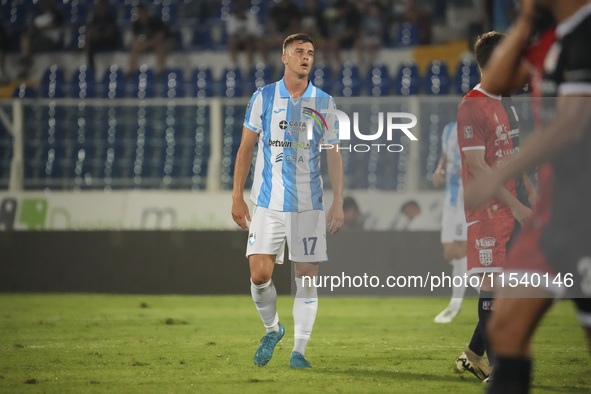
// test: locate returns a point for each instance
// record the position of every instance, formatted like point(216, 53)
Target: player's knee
point(258, 277)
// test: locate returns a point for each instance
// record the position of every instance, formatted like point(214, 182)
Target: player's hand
point(336, 218)
point(521, 213)
point(240, 213)
point(438, 178)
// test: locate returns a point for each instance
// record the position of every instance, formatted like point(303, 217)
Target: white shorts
point(453, 224)
point(305, 233)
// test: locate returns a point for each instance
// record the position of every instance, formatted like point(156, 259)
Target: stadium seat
point(112, 84)
point(83, 83)
point(436, 80)
point(321, 77)
point(231, 82)
point(348, 83)
point(52, 82)
point(142, 83)
point(377, 82)
point(466, 77)
point(201, 39)
point(202, 83)
point(259, 76)
point(24, 91)
point(407, 35)
point(171, 84)
point(407, 81)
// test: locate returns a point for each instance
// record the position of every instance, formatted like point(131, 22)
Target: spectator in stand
point(244, 32)
point(314, 24)
point(284, 19)
point(416, 220)
point(344, 28)
point(102, 32)
point(420, 14)
point(44, 34)
point(149, 33)
point(353, 217)
point(372, 32)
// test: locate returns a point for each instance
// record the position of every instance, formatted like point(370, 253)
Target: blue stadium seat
point(14, 14)
point(171, 84)
point(348, 83)
point(321, 77)
point(52, 82)
point(259, 76)
point(24, 91)
point(407, 81)
point(436, 80)
point(466, 77)
point(377, 82)
point(202, 84)
point(142, 83)
point(232, 82)
point(78, 38)
point(83, 83)
point(112, 84)
point(201, 39)
point(407, 35)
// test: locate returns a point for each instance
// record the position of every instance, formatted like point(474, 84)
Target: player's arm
point(482, 171)
point(508, 71)
point(243, 159)
point(439, 174)
point(568, 127)
point(334, 160)
point(532, 193)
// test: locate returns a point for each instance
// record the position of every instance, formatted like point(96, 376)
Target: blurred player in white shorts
point(453, 221)
point(288, 120)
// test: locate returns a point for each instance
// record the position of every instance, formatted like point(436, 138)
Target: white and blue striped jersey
point(453, 178)
point(287, 170)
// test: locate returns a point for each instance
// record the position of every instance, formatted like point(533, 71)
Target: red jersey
point(483, 124)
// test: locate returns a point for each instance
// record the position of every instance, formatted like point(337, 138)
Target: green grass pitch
point(187, 344)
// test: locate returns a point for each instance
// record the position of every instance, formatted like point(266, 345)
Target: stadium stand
point(167, 143)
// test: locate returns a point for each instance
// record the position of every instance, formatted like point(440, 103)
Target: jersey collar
point(477, 87)
point(283, 93)
point(570, 23)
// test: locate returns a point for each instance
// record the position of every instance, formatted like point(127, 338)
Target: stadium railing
point(191, 144)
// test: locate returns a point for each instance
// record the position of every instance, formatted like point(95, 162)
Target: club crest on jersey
point(485, 257)
point(468, 133)
point(252, 238)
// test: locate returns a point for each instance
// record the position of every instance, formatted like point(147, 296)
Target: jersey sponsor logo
point(506, 152)
point(294, 126)
point(468, 132)
point(485, 256)
point(252, 237)
point(289, 158)
point(502, 135)
point(487, 242)
point(316, 116)
point(488, 305)
point(289, 144)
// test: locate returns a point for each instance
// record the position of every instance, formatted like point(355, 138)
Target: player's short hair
point(349, 202)
point(485, 45)
point(408, 204)
point(300, 38)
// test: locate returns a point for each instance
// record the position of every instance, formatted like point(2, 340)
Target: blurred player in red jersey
point(555, 243)
point(488, 134)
